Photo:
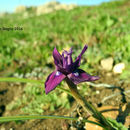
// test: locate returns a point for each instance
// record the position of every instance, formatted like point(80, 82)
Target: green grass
point(105, 28)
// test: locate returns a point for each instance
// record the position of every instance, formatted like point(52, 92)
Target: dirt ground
point(9, 93)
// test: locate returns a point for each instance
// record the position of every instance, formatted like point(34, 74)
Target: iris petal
point(77, 62)
point(57, 57)
point(80, 75)
point(67, 61)
point(64, 59)
point(53, 80)
point(70, 61)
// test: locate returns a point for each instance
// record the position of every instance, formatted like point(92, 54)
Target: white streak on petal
point(57, 73)
point(76, 74)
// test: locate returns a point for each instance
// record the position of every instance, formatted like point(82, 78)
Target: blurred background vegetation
point(27, 51)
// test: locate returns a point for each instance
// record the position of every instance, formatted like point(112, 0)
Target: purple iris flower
point(65, 67)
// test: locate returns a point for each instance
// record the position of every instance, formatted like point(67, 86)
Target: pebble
point(97, 92)
point(118, 68)
point(107, 64)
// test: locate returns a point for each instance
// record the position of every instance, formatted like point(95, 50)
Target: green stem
point(87, 106)
point(16, 118)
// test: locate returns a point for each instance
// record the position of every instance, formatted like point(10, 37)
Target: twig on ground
point(101, 85)
point(113, 95)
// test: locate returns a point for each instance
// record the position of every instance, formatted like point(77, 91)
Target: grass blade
point(16, 118)
point(21, 80)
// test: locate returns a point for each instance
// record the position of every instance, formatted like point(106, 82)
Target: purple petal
point(53, 80)
point(77, 62)
point(57, 57)
point(67, 61)
point(70, 61)
point(81, 76)
point(67, 58)
point(64, 59)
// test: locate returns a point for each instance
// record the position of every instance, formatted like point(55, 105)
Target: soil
point(9, 93)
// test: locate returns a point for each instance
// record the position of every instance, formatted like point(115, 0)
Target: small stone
point(107, 64)
point(97, 92)
point(80, 118)
point(118, 68)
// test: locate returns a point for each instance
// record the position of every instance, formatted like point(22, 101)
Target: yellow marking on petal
point(67, 49)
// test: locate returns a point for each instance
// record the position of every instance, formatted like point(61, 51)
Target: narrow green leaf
point(21, 80)
point(16, 118)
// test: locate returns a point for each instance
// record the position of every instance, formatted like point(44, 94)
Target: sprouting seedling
point(66, 68)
